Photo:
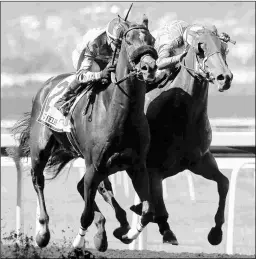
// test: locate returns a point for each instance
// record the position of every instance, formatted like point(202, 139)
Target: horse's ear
point(145, 20)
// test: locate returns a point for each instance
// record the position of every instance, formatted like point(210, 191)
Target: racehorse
point(115, 138)
point(180, 129)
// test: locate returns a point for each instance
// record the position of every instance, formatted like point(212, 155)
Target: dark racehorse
point(116, 138)
point(180, 130)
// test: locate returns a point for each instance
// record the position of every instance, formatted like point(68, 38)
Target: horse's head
point(138, 43)
point(211, 54)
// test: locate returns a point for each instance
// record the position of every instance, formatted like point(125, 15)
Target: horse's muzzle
point(148, 67)
point(224, 81)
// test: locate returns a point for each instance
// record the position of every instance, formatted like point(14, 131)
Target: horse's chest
point(179, 145)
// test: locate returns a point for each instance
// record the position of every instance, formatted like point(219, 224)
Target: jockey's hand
point(225, 37)
point(107, 71)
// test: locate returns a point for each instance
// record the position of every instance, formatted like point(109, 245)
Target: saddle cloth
point(50, 116)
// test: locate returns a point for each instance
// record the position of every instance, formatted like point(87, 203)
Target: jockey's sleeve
point(84, 73)
point(165, 60)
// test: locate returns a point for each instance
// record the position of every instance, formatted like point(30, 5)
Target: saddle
point(87, 88)
point(90, 89)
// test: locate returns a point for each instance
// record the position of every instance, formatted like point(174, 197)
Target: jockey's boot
point(70, 92)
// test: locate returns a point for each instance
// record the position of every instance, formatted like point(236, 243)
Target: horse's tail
point(21, 128)
point(59, 155)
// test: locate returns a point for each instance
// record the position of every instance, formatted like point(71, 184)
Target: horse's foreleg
point(40, 152)
point(140, 180)
point(161, 214)
point(91, 181)
point(105, 189)
point(100, 239)
point(208, 168)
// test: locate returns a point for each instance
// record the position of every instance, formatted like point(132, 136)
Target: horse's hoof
point(215, 236)
point(77, 253)
point(120, 232)
point(170, 238)
point(43, 240)
point(101, 241)
point(137, 209)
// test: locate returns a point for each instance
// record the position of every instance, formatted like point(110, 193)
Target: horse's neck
point(129, 95)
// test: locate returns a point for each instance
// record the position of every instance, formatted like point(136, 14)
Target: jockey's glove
point(105, 74)
point(225, 37)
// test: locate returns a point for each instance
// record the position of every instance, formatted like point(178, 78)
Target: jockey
point(92, 57)
point(170, 44)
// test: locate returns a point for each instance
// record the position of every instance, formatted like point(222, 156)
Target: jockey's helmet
point(212, 28)
point(115, 31)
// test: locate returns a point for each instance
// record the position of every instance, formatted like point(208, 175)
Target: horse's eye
point(128, 42)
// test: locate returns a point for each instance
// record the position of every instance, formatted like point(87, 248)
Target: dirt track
point(56, 252)
point(190, 220)
point(162, 254)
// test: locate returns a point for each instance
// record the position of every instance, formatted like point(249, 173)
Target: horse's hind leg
point(41, 145)
point(140, 181)
point(100, 239)
point(105, 189)
point(208, 168)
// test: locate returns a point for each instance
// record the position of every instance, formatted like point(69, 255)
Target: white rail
point(232, 195)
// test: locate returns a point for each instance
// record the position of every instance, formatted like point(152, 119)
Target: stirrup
point(64, 111)
point(66, 123)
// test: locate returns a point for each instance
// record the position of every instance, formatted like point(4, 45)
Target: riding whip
point(114, 55)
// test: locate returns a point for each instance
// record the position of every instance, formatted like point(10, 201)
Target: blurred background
point(37, 40)
point(39, 37)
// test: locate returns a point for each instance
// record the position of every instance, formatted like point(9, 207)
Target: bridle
point(143, 51)
point(204, 75)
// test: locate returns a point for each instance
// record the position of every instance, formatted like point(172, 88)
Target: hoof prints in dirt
point(13, 251)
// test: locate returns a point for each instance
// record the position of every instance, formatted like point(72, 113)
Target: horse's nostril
point(144, 67)
point(220, 77)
